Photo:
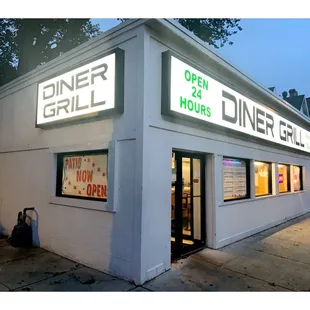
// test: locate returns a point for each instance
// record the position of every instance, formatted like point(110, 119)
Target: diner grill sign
point(191, 93)
point(83, 92)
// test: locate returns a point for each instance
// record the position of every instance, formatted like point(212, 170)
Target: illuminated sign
point(234, 178)
point(188, 92)
point(85, 176)
point(281, 178)
point(93, 89)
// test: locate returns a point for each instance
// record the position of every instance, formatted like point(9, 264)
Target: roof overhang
point(170, 27)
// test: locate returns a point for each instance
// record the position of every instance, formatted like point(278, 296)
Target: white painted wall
point(226, 223)
point(103, 240)
point(134, 241)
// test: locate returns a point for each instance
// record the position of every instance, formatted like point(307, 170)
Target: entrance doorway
point(187, 203)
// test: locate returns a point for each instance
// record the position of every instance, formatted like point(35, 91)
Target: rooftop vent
point(284, 94)
point(293, 92)
point(273, 89)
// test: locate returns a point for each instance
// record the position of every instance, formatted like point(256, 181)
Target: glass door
point(187, 203)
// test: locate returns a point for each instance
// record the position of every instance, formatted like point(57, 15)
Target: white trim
point(154, 272)
point(89, 146)
point(236, 141)
point(275, 179)
point(80, 203)
point(292, 178)
point(178, 30)
point(252, 180)
point(206, 49)
point(254, 231)
point(113, 176)
point(53, 173)
point(237, 201)
point(108, 206)
point(292, 193)
point(211, 193)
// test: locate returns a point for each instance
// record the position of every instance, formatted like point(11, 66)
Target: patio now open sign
point(85, 176)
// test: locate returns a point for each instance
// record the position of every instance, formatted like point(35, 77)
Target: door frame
point(179, 236)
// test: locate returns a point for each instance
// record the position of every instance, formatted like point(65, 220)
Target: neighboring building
point(144, 143)
point(297, 101)
point(273, 89)
point(308, 104)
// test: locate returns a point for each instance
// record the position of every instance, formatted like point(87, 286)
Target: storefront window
point(284, 178)
point(263, 177)
point(235, 178)
point(297, 178)
point(83, 175)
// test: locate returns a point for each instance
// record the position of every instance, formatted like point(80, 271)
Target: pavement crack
point(146, 288)
point(5, 286)
point(54, 274)
point(269, 253)
point(87, 282)
point(21, 257)
point(32, 283)
point(268, 282)
point(250, 276)
point(137, 286)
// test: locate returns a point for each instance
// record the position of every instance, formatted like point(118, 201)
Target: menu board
point(234, 177)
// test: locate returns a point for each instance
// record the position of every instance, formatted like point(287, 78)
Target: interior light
point(231, 162)
point(258, 163)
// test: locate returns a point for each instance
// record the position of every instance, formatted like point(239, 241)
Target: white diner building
point(142, 145)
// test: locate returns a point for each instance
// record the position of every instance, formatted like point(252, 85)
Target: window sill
point(224, 204)
point(245, 200)
point(263, 196)
point(291, 193)
point(80, 203)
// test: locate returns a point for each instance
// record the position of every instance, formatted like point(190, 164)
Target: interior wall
point(196, 200)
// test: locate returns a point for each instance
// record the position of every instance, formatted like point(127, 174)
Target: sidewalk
point(277, 259)
point(274, 260)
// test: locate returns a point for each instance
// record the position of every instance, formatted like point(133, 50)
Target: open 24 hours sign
point(189, 93)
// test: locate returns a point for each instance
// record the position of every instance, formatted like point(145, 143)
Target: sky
point(274, 52)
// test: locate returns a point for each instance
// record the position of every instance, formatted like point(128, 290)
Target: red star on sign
point(98, 170)
point(103, 174)
point(94, 164)
point(74, 187)
point(69, 183)
point(80, 192)
point(88, 160)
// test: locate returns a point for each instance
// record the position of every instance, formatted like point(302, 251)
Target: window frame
point(248, 178)
point(59, 171)
point(300, 178)
point(270, 179)
point(289, 186)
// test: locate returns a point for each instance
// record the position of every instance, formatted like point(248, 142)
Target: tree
point(28, 43)
point(214, 31)
point(7, 51)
